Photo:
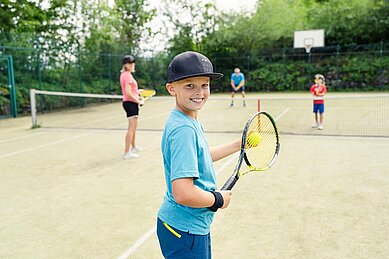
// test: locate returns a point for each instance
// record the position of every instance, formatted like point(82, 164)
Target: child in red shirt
point(318, 90)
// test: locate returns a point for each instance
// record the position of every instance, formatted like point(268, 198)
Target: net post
point(259, 104)
point(33, 107)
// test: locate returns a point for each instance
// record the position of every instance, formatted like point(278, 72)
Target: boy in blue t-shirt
point(237, 84)
point(191, 199)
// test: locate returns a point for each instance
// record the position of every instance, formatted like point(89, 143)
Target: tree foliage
point(77, 45)
point(100, 26)
point(273, 23)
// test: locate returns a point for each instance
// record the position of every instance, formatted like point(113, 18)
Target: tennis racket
point(147, 93)
point(259, 149)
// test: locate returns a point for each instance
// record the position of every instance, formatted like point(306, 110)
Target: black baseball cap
point(128, 59)
point(190, 64)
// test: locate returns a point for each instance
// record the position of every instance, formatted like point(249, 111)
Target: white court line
point(45, 145)
point(83, 124)
point(152, 231)
point(93, 121)
point(21, 137)
point(282, 114)
point(40, 133)
point(118, 120)
point(138, 243)
point(63, 140)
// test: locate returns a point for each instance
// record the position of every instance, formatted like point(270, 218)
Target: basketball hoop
point(308, 48)
point(308, 43)
point(309, 39)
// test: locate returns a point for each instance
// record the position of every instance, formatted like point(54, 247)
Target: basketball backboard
point(309, 39)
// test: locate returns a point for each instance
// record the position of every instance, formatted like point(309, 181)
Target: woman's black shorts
point(132, 109)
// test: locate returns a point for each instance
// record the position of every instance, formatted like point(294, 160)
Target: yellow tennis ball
point(254, 139)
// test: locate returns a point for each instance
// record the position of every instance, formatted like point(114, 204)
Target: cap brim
point(213, 76)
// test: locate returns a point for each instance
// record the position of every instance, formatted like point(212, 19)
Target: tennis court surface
point(67, 193)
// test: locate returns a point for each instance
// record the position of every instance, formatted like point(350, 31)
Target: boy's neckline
point(190, 117)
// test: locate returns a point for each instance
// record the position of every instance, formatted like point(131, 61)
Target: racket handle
point(230, 183)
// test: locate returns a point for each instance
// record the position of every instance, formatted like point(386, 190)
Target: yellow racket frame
point(147, 93)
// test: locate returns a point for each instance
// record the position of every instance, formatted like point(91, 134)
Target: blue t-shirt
point(186, 154)
point(237, 78)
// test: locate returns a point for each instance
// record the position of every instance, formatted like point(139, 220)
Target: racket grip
point(230, 183)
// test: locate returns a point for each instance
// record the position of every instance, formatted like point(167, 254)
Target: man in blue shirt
point(237, 84)
point(191, 199)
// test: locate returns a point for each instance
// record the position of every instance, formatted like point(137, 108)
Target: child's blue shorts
point(178, 244)
point(318, 107)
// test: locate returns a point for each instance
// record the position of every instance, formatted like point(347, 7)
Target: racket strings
point(147, 93)
point(261, 147)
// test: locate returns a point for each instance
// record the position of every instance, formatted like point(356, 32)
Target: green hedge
point(350, 74)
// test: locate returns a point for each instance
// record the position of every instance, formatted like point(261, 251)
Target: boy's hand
point(226, 197)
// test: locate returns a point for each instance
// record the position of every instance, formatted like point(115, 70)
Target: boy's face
point(318, 80)
point(191, 94)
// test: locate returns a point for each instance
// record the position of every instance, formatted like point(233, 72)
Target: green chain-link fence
point(346, 68)
point(51, 65)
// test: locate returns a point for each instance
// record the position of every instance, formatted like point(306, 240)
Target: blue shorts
point(318, 107)
point(240, 89)
point(178, 244)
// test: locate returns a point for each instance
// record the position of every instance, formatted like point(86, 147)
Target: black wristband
point(219, 201)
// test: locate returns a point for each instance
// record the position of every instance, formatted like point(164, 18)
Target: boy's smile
point(196, 100)
point(191, 94)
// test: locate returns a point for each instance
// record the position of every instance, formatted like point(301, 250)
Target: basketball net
point(308, 43)
point(308, 48)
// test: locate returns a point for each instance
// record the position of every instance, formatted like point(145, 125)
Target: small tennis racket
point(260, 147)
point(147, 93)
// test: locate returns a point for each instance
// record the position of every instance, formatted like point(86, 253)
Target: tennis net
point(345, 115)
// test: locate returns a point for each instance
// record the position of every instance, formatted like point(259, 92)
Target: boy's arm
point(233, 84)
point(322, 92)
point(219, 152)
point(312, 90)
point(188, 194)
point(240, 84)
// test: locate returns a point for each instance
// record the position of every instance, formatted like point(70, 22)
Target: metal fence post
point(79, 67)
point(82, 101)
point(337, 64)
point(309, 68)
point(38, 66)
point(283, 67)
point(12, 87)
point(110, 73)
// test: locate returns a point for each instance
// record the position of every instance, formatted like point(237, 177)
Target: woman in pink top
point(131, 102)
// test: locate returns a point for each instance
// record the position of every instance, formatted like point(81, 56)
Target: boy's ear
point(170, 89)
